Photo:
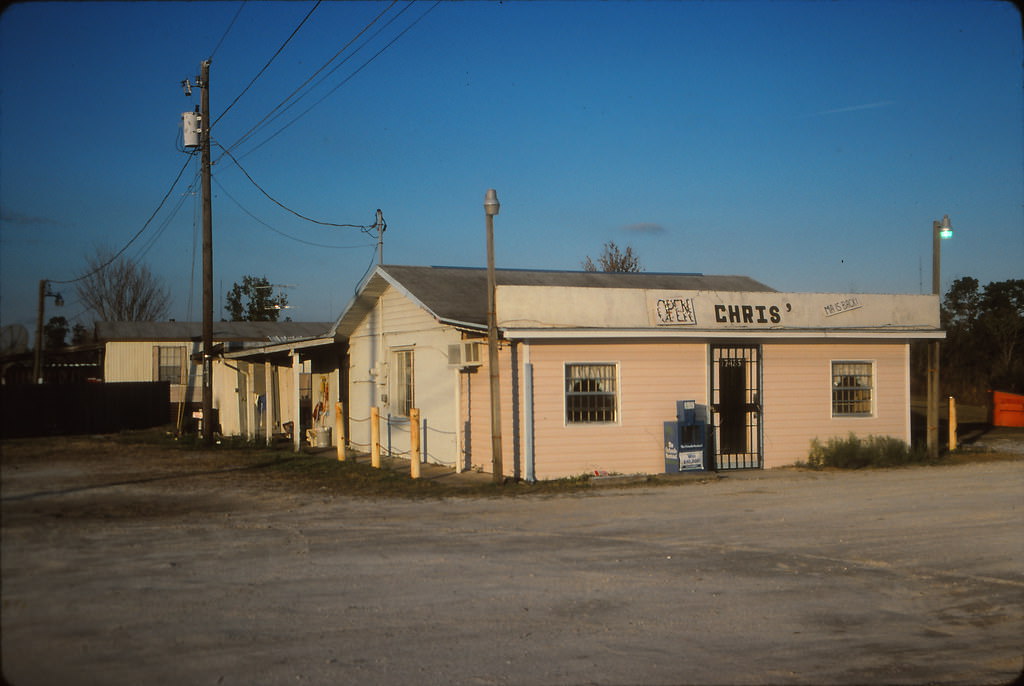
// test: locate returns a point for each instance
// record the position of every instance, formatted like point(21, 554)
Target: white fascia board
point(455, 323)
point(287, 346)
point(552, 334)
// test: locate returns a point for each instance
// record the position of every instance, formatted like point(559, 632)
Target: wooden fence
point(82, 408)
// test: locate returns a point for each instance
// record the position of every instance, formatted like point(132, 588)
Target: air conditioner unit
point(464, 354)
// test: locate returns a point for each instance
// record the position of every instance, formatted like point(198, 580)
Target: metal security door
point(736, 406)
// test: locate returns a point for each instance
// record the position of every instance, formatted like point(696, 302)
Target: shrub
point(856, 453)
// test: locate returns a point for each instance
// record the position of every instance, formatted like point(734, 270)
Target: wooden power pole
point(204, 141)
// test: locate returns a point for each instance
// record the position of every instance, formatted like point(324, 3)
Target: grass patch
point(854, 452)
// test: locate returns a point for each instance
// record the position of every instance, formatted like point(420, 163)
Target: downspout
point(528, 456)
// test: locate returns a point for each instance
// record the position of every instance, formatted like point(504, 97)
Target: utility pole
point(380, 237)
point(37, 361)
point(204, 141)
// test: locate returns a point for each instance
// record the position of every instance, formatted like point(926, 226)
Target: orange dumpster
point(1007, 409)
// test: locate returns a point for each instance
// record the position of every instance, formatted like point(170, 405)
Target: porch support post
point(296, 419)
point(269, 405)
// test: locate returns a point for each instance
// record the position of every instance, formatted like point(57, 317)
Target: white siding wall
point(405, 325)
point(133, 361)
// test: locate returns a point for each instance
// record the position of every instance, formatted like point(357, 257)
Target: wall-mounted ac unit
point(464, 354)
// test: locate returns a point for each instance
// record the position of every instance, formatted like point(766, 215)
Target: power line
point(227, 30)
point(269, 62)
point(137, 234)
point(347, 78)
point(285, 207)
point(282, 233)
point(271, 116)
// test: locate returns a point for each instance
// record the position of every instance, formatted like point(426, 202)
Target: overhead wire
point(282, 205)
point(282, 233)
point(265, 66)
point(137, 233)
point(271, 115)
point(347, 78)
point(227, 30)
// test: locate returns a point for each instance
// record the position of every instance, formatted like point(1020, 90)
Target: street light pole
point(940, 230)
point(491, 207)
point(37, 357)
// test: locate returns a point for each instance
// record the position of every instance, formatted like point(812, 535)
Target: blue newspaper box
point(685, 439)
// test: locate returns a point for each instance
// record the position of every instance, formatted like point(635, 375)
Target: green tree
point(984, 338)
point(613, 259)
point(254, 300)
point(55, 331)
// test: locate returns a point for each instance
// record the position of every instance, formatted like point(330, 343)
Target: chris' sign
point(773, 310)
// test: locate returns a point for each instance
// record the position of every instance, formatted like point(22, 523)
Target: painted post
point(952, 423)
point(339, 431)
point(414, 443)
point(375, 437)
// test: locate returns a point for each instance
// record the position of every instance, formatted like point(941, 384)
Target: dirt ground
point(137, 564)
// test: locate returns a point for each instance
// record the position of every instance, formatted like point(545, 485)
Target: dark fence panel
point(83, 408)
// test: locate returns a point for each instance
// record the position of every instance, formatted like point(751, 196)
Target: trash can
point(319, 437)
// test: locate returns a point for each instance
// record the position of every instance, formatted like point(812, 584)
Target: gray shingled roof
point(222, 331)
point(459, 294)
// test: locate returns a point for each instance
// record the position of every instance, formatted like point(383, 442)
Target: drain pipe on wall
point(528, 415)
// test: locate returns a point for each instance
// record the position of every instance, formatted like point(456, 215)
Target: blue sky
point(808, 145)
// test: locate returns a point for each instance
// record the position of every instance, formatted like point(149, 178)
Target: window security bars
point(590, 393)
point(851, 389)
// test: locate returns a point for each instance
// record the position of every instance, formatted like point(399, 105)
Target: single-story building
point(171, 351)
point(592, 366)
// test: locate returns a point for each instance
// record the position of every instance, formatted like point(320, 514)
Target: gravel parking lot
point(191, 568)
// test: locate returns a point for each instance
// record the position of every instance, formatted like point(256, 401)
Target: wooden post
point(414, 443)
point(339, 431)
point(375, 437)
point(952, 424)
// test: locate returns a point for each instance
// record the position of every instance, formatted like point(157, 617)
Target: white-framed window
point(852, 388)
point(169, 363)
point(591, 392)
point(403, 387)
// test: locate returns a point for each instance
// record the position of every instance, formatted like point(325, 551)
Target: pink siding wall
point(798, 395)
point(653, 375)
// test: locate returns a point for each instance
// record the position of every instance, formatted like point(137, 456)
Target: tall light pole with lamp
point(491, 207)
point(941, 230)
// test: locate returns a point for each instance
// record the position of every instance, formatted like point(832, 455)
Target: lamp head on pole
point(945, 228)
point(491, 204)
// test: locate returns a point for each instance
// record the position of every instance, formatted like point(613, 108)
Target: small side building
point(171, 351)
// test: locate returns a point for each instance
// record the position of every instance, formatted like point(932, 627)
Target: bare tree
point(613, 259)
point(122, 290)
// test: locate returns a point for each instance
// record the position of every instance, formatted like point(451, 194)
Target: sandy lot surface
point(149, 567)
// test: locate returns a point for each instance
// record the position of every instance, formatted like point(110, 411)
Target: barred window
point(402, 386)
point(170, 364)
point(851, 389)
point(590, 393)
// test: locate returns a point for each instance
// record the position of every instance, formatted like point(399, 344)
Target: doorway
point(736, 406)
